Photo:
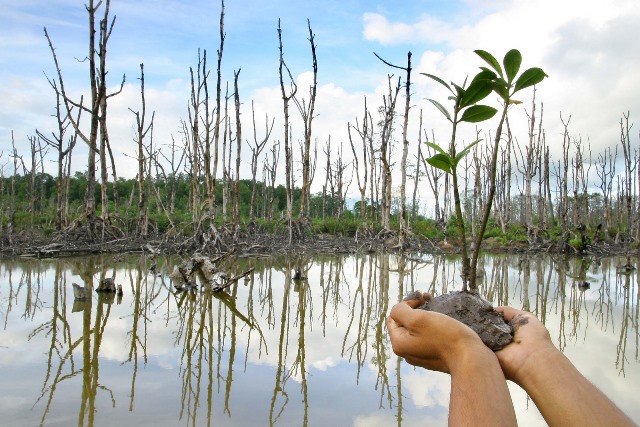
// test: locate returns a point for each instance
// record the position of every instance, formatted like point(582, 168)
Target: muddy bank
point(66, 244)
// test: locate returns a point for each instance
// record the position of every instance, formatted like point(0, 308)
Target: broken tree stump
point(108, 284)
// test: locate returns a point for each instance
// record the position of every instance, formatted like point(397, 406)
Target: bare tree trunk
point(606, 170)
point(433, 177)
point(225, 171)
point(366, 133)
point(255, 152)
point(373, 195)
point(547, 184)
point(97, 109)
point(216, 128)
point(143, 217)
point(238, 150)
point(563, 177)
point(105, 146)
point(625, 141)
point(57, 142)
point(271, 168)
point(286, 97)
point(416, 178)
point(532, 152)
point(405, 150)
point(388, 112)
point(327, 179)
point(194, 129)
point(307, 112)
point(35, 144)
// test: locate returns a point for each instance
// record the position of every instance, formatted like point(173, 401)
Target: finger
point(508, 313)
point(417, 298)
point(401, 312)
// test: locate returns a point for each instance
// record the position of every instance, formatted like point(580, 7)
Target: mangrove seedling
point(465, 109)
point(505, 82)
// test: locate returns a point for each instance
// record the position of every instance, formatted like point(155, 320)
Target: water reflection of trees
point(217, 334)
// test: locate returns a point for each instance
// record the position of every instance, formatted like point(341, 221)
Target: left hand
point(432, 340)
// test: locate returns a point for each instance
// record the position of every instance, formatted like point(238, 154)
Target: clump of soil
point(475, 312)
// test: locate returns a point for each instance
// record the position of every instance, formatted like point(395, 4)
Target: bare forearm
point(565, 397)
point(479, 393)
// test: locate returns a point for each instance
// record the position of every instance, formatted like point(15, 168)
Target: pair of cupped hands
point(438, 342)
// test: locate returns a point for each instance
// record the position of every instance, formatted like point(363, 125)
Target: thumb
point(416, 299)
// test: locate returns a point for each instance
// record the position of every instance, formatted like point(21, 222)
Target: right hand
point(531, 342)
point(429, 339)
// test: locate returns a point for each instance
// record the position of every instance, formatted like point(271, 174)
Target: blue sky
point(587, 48)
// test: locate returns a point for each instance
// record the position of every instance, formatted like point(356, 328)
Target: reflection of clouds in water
point(374, 420)
point(329, 310)
point(427, 389)
point(323, 365)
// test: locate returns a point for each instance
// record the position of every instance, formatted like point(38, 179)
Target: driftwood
point(232, 280)
point(206, 270)
point(108, 284)
point(80, 292)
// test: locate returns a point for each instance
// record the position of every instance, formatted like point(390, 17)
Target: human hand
point(531, 343)
point(429, 339)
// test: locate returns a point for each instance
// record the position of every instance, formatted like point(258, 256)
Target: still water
point(275, 351)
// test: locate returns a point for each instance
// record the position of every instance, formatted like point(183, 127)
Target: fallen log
point(231, 281)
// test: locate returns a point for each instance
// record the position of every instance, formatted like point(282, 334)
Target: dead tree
point(366, 134)
point(307, 115)
point(433, 178)
point(36, 162)
point(547, 185)
point(256, 149)
point(606, 171)
point(216, 128)
point(629, 168)
point(97, 107)
point(388, 111)
point(226, 171)
point(236, 97)
point(195, 103)
point(584, 179)
point(105, 146)
point(3, 198)
point(577, 180)
point(141, 132)
point(288, 156)
point(57, 141)
point(530, 165)
point(562, 174)
point(271, 166)
point(541, 206)
point(327, 179)
point(171, 181)
point(405, 148)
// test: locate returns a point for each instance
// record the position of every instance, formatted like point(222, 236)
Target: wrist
point(470, 356)
point(537, 365)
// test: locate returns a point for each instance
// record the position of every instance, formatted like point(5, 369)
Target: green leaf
point(499, 87)
point(441, 108)
point(477, 91)
point(478, 113)
point(485, 74)
point(436, 147)
point(489, 59)
point(459, 90)
point(512, 61)
point(438, 79)
point(441, 161)
point(464, 152)
point(530, 77)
